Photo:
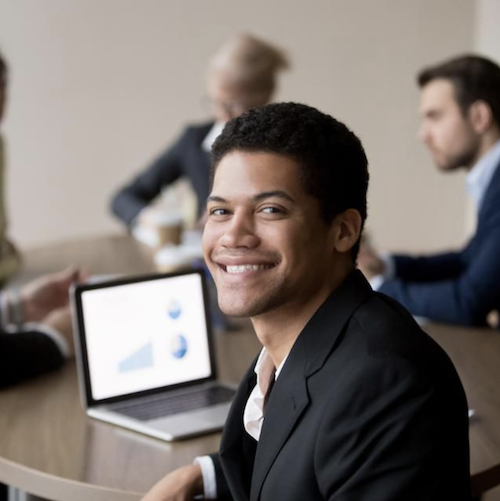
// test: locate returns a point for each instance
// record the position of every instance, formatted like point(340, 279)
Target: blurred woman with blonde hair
point(241, 75)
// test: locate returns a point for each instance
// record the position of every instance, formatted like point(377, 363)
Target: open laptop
point(145, 355)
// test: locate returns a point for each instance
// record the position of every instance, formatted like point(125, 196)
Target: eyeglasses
point(231, 109)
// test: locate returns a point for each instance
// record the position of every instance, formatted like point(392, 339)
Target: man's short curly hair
point(332, 161)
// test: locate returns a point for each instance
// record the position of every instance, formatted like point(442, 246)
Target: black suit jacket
point(460, 287)
point(26, 354)
point(185, 158)
point(367, 407)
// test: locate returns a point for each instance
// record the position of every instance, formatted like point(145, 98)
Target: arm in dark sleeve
point(239, 482)
point(430, 268)
point(396, 435)
point(26, 354)
point(222, 487)
point(464, 299)
point(135, 196)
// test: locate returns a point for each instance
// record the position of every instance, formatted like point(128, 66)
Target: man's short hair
point(332, 161)
point(473, 78)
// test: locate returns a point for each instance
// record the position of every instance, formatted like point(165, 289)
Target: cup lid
point(165, 218)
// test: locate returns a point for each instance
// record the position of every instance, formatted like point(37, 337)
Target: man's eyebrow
point(215, 198)
point(256, 198)
point(273, 194)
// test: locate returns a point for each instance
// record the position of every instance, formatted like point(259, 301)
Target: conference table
point(50, 448)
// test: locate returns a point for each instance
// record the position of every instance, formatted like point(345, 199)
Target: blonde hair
point(250, 64)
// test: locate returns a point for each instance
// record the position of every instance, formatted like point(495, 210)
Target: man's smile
point(242, 268)
point(244, 263)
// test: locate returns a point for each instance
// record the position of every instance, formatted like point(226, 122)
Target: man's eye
point(271, 210)
point(219, 212)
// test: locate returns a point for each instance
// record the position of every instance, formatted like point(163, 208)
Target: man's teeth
point(247, 267)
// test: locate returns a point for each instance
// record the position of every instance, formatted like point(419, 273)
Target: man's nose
point(423, 133)
point(240, 232)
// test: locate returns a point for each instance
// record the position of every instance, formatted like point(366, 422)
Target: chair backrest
point(484, 481)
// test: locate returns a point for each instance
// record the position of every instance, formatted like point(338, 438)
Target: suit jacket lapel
point(235, 456)
point(290, 398)
point(490, 201)
point(286, 404)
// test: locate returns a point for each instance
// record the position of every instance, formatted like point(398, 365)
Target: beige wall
point(487, 32)
point(99, 87)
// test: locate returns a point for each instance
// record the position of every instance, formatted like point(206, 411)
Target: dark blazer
point(26, 354)
point(366, 408)
point(456, 287)
point(185, 158)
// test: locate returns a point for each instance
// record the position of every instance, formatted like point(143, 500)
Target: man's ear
point(480, 116)
point(346, 230)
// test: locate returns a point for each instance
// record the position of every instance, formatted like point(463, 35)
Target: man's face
point(265, 243)
point(448, 134)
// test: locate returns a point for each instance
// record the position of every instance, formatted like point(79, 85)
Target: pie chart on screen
point(178, 346)
point(174, 310)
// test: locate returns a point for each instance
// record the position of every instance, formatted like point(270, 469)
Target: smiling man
point(348, 399)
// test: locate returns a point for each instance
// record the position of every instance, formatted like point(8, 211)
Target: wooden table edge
point(57, 488)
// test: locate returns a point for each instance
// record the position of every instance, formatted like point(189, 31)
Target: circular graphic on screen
point(174, 310)
point(178, 346)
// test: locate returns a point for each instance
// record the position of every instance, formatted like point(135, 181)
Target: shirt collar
point(479, 177)
point(264, 367)
point(253, 415)
point(212, 135)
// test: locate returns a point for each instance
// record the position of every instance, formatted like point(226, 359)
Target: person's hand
point(369, 261)
point(149, 217)
point(60, 321)
point(182, 484)
point(48, 293)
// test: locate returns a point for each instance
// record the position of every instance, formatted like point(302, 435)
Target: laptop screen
point(143, 334)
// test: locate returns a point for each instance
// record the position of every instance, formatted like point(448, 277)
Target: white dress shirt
point(253, 416)
point(478, 179)
point(212, 135)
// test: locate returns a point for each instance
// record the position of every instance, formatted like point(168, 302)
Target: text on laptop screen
point(145, 335)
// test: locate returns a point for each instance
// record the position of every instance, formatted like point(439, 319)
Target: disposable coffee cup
point(168, 228)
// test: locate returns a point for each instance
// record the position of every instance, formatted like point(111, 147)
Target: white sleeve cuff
point(144, 234)
point(208, 472)
point(61, 343)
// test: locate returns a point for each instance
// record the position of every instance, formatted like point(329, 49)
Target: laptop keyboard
point(156, 406)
